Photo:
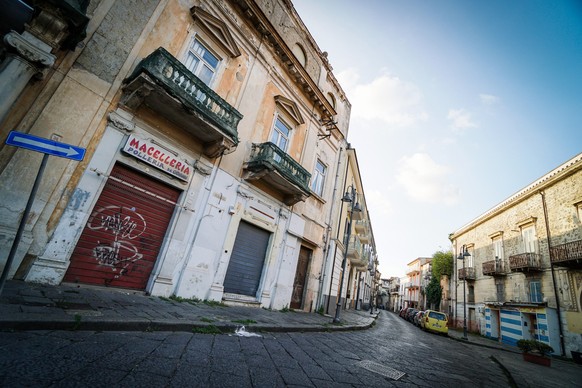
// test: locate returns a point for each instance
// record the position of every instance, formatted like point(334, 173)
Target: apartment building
point(216, 154)
point(519, 265)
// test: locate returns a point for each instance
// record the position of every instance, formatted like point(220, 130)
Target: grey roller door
point(246, 262)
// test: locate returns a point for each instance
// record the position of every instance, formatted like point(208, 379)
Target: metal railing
point(467, 273)
point(570, 251)
point(493, 267)
point(528, 260)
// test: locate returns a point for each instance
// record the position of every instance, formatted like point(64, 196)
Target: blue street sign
point(47, 146)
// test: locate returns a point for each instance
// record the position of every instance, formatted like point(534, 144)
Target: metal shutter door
point(246, 262)
point(121, 241)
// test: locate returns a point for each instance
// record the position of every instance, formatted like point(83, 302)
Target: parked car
point(418, 318)
point(410, 314)
point(436, 321)
point(402, 312)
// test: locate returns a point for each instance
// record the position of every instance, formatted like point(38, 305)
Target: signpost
point(47, 147)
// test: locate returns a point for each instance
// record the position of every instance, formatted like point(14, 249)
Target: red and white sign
point(158, 157)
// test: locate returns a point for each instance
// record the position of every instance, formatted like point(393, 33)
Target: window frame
point(201, 62)
point(537, 292)
point(318, 178)
point(276, 131)
point(529, 238)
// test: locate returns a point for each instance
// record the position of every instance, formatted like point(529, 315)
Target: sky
point(456, 105)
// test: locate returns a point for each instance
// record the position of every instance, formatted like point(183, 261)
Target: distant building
point(521, 276)
point(413, 290)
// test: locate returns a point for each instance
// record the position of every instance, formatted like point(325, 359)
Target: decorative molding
point(290, 108)
point(495, 235)
point(217, 29)
point(120, 122)
point(526, 222)
point(27, 50)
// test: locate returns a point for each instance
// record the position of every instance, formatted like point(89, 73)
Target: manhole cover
point(381, 369)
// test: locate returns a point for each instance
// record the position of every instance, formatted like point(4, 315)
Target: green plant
point(244, 321)
point(214, 303)
point(286, 309)
point(207, 320)
point(210, 329)
point(77, 324)
point(321, 310)
point(533, 346)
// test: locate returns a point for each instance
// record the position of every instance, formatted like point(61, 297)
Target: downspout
point(542, 193)
point(327, 232)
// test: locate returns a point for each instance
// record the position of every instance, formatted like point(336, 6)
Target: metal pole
point(336, 319)
point(563, 349)
point(464, 301)
point(22, 223)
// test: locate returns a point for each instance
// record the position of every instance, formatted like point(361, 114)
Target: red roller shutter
point(121, 241)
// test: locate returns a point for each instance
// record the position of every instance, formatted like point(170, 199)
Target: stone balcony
point(525, 262)
point(272, 166)
point(568, 254)
point(362, 228)
point(467, 273)
point(165, 86)
point(494, 268)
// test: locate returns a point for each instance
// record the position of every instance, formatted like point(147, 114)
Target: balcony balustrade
point(467, 273)
point(494, 268)
point(568, 254)
point(168, 88)
point(273, 166)
point(525, 262)
point(362, 228)
point(356, 254)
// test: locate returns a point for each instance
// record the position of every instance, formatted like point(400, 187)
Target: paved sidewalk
point(562, 373)
point(28, 306)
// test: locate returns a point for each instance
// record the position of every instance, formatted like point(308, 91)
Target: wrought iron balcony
point(394, 289)
point(167, 87)
point(467, 273)
point(568, 254)
point(525, 262)
point(280, 171)
point(494, 268)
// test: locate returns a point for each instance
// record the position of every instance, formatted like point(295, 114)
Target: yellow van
point(435, 321)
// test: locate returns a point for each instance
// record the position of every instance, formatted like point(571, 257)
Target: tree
point(433, 293)
point(442, 264)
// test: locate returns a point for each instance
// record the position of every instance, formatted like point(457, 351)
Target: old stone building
point(519, 266)
point(215, 136)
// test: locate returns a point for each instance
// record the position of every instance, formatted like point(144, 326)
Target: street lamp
point(372, 274)
point(462, 255)
point(351, 197)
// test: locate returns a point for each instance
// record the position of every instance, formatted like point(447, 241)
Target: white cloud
point(425, 180)
point(461, 119)
point(378, 203)
point(488, 99)
point(386, 98)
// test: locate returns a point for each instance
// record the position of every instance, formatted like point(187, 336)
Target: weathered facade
point(413, 295)
point(353, 242)
point(216, 151)
point(521, 276)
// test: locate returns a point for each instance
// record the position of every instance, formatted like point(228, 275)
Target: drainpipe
point(327, 232)
point(337, 234)
point(543, 195)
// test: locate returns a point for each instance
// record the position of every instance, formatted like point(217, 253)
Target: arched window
point(299, 54)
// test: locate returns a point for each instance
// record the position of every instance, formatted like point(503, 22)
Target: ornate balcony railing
point(525, 262)
point(494, 268)
point(192, 95)
point(467, 273)
point(356, 253)
point(266, 159)
point(568, 254)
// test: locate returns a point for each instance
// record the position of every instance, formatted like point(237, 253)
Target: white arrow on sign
point(69, 151)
